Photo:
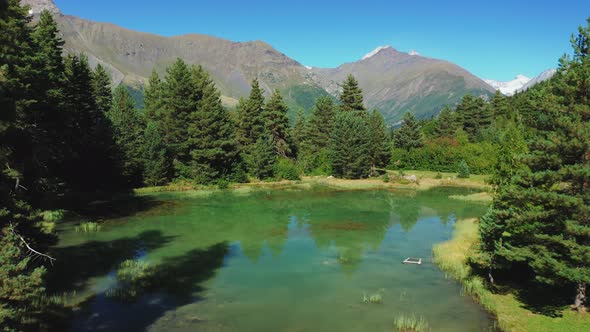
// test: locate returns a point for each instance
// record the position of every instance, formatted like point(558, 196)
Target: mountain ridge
point(393, 82)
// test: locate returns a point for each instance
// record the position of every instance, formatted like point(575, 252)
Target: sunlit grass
point(482, 197)
point(512, 315)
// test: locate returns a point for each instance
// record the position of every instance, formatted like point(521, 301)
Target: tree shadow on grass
point(173, 283)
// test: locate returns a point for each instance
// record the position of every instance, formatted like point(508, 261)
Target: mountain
point(397, 82)
point(393, 82)
point(510, 87)
point(547, 74)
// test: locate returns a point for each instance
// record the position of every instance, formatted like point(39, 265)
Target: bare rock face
point(37, 6)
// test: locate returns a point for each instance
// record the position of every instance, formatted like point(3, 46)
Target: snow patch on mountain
point(510, 87)
point(413, 52)
point(375, 51)
point(308, 67)
point(547, 74)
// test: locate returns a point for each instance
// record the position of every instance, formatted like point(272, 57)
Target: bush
point(285, 169)
point(386, 178)
point(222, 184)
point(463, 170)
point(438, 176)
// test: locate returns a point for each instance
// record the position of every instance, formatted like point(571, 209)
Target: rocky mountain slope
point(393, 82)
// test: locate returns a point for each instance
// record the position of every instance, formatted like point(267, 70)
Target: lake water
point(271, 261)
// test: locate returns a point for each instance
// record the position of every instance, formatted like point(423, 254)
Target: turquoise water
point(272, 261)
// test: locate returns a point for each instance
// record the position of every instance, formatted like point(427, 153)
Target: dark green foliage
point(409, 135)
point(314, 155)
point(512, 146)
point(379, 153)
point(446, 123)
point(93, 160)
point(474, 115)
point(285, 169)
point(179, 102)
point(154, 97)
point(156, 163)
point(539, 225)
point(211, 137)
point(128, 130)
point(277, 123)
point(251, 118)
point(264, 158)
point(101, 89)
point(298, 132)
point(351, 98)
point(350, 146)
point(463, 170)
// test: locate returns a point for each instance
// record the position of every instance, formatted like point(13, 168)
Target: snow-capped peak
point(375, 51)
point(308, 67)
point(510, 87)
point(413, 52)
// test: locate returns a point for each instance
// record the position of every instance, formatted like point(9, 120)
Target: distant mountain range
point(393, 82)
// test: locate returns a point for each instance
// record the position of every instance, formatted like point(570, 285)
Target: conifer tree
point(350, 146)
point(379, 154)
point(446, 123)
point(128, 131)
point(93, 160)
point(277, 123)
point(156, 163)
point(540, 221)
point(351, 98)
point(251, 118)
point(472, 114)
point(318, 136)
point(180, 102)
point(409, 135)
point(154, 97)
point(101, 89)
point(213, 147)
point(298, 132)
point(264, 158)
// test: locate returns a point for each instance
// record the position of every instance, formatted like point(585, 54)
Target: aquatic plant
point(88, 227)
point(410, 323)
point(375, 298)
point(133, 277)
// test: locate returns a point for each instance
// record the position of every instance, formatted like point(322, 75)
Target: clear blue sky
point(492, 39)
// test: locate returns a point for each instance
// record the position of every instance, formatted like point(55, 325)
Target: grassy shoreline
point(424, 180)
point(512, 315)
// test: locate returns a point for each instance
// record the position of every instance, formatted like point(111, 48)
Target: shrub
point(222, 184)
point(386, 178)
point(88, 227)
point(438, 176)
point(285, 169)
point(463, 170)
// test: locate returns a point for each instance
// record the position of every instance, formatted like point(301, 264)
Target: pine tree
point(351, 98)
point(128, 131)
point(156, 163)
point(298, 132)
point(277, 123)
point(154, 97)
point(379, 153)
point(213, 148)
point(321, 123)
point(180, 103)
point(540, 221)
point(101, 89)
point(350, 146)
point(473, 116)
point(409, 135)
point(264, 158)
point(251, 117)
point(93, 160)
point(446, 123)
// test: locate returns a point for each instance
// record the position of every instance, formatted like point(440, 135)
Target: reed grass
point(88, 227)
point(410, 323)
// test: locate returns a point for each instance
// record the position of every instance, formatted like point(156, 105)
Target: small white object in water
point(411, 260)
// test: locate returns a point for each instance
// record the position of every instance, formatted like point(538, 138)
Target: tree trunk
point(580, 297)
